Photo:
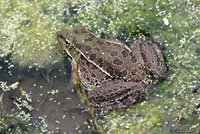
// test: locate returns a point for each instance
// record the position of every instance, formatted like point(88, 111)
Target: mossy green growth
point(141, 117)
point(12, 125)
point(174, 25)
point(28, 33)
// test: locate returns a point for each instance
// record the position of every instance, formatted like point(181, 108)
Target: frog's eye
point(67, 42)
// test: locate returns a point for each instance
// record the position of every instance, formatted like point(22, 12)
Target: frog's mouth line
point(68, 49)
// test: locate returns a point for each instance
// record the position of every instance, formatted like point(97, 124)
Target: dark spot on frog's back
point(114, 53)
point(107, 77)
point(108, 43)
point(89, 39)
point(125, 53)
point(88, 64)
point(100, 42)
point(94, 67)
point(117, 62)
point(133, 59)
point(100, 62)
point(97, 49)
point(77, 45)
point(88, 48)
point(92, 57)
point(123, 73)
point(109, 70)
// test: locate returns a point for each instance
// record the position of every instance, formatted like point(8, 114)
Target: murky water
point(55, 106)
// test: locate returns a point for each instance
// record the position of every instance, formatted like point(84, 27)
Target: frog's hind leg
point(115, 94)
point(152, 56)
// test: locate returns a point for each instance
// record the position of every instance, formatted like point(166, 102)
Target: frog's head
point(69, 39)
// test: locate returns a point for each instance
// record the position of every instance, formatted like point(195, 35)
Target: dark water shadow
point(55, 100)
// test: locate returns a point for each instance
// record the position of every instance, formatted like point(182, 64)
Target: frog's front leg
point(115, 94)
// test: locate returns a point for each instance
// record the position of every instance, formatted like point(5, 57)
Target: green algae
point(173, 99)
point(143, 118)
point(28, 34)
point(12, 125)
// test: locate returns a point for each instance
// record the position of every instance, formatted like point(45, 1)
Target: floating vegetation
point(16, 123)
point(28, 32)
point(11, 125)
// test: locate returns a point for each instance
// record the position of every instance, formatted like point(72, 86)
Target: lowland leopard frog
point(117, 73)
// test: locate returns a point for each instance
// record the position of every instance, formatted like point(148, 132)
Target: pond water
point(50, 101)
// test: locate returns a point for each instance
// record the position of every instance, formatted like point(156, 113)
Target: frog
point(116, 73)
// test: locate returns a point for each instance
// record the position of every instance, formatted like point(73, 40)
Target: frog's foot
point(152, 55)
point(115, 94)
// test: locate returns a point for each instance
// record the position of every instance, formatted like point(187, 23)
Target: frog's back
point(112, 57)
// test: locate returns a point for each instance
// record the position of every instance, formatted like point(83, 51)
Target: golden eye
point(67, 42)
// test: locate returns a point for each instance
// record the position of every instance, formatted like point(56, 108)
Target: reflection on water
point(53, 104)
